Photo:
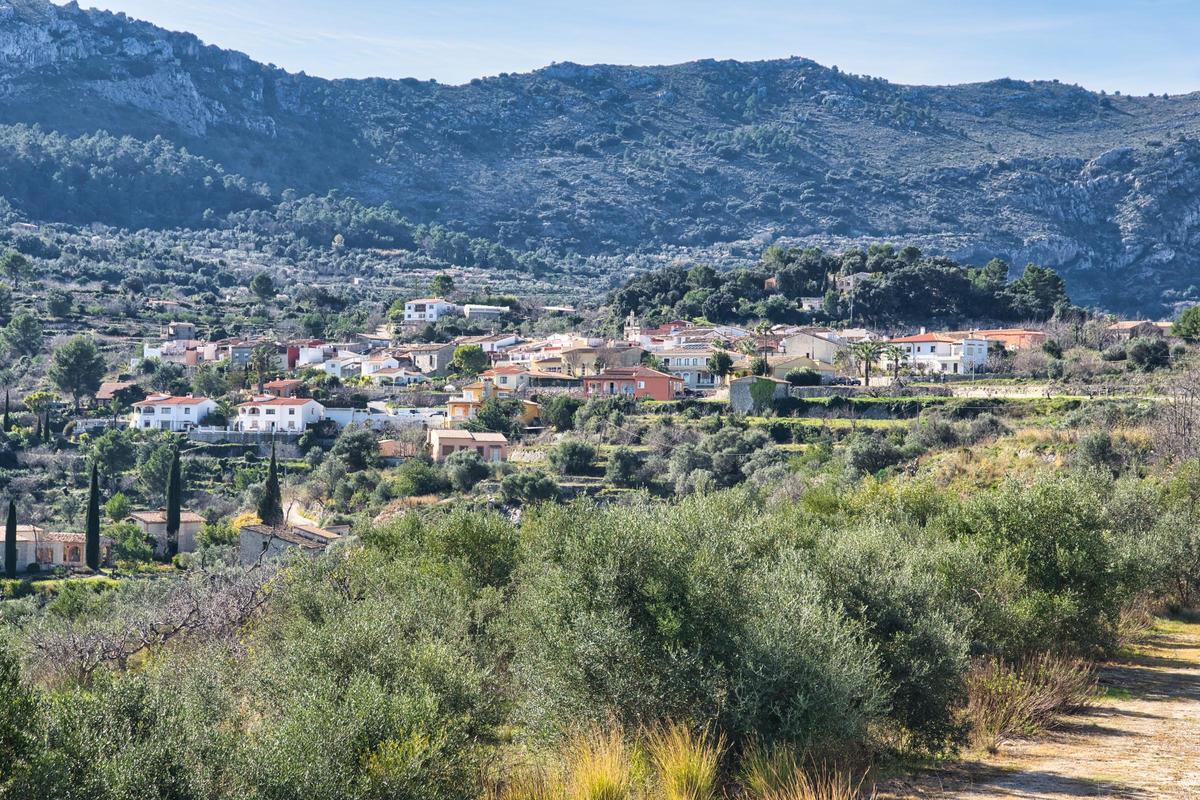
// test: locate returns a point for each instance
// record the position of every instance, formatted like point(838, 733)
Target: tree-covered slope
point(603, 159)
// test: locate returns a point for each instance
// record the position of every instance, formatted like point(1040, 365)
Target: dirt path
point(1141, 740)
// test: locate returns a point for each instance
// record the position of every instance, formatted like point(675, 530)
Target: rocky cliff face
point(693, 158)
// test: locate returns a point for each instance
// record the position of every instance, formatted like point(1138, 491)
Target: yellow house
point(465, 407)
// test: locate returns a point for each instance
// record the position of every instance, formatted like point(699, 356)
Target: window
point(187, 410)
point(641, 384)
point(291, 412)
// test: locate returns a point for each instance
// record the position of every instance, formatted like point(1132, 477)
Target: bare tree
point(205, 605)
point(1177, 421)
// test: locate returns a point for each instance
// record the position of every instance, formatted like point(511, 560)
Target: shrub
point(932, 433)
point(624, 468)
point(1054, 534)
point(1148, 354)
point(523, 488)
point(867, 454)
point(572, 457)
point(803, 377)
point(559, 411)
point(419, 476)
point(1114, 353)
point(983, 427)
point(129, 543)
point(877, 576)
point(1006, 702)
point(1096, 450)
point(464, 469)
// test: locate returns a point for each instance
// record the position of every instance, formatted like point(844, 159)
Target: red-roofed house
point(637, 382)
point(288, 414)
point(166, 412)
point(283, 387)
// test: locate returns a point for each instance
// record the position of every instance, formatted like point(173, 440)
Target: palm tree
point(896, 355)
point(262, 360)
point(761, 329)
point(867, 352)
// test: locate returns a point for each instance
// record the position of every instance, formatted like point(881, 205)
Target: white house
point(153, 524)
point(166, 412)
point(940, 352)
point(478, 311)
point(396, 376)
point(377, 361)
point(812, 303)
point(344, 366)
point(690, 365)
point(428, 309)
point(819, 345)
point(269, 413)
point(492, 342)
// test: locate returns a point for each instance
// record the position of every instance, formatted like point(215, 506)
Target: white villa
point(818, 344)
point(428, 309)
point(689, 364)
point(166, 412)
point(940, 352)
point(269, 413)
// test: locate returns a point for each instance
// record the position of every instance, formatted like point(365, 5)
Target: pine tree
point(270, 507)
point(10, 541)
point(174, 498)
point(92, 531)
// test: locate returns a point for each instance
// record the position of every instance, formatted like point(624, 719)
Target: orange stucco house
point(637, 382)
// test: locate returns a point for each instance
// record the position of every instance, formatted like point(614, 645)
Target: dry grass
point(527, 783)
point(599, 766)
point(776, 774)
point(687, 763)
point(1135, 621)
point(1005, 702)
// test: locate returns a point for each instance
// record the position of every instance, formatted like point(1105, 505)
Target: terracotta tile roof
point(109, 388)
point(277, 401)
point(627, 373)
point(159, 516)
point(170, 400)
point(309, 537)
point(923, 337)
point(474, 436)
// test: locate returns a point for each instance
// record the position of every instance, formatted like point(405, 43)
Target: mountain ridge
point(693, 158)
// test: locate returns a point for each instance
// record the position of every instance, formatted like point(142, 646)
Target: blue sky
point(1136, 46)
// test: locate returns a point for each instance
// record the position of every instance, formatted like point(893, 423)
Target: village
point(427, 400)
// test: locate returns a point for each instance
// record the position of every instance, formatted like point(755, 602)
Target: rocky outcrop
point(703, 160)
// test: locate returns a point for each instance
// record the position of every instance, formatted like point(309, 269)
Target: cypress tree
point(174, 497)
point(92, 531)
point(10, 541)
point(270, 507)
point(46, 428)
point(7, 421)
point(37, 432)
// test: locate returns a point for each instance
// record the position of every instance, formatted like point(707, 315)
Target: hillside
point(699, 159)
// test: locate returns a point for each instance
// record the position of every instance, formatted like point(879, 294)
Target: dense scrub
point(819, 614)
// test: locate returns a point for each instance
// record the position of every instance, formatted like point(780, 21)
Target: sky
point(1132, 46)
